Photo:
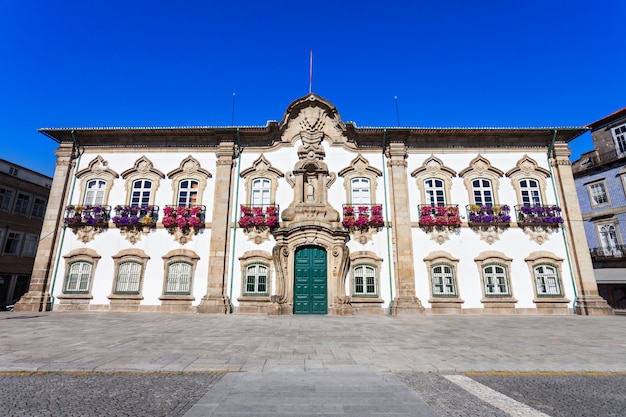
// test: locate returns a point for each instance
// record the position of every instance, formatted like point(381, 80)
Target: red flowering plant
point(258, 217)
point(362, 217)
point(439, 216)
point(183, 217)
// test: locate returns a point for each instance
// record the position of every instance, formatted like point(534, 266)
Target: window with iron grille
point(78, 277)
point(178, 278)
point(364, 280)
point(496, 280)
point(256, 279)
point(443, 280)
point(128, 278)
point(547, 281)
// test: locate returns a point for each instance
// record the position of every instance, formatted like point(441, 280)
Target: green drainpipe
point(389, 260)
point(236, 212)
point(64, 228)
point(556, 195)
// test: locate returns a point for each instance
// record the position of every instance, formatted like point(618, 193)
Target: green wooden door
point(310, 282)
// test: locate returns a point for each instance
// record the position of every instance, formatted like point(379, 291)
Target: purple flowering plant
point(549, 215)
point(484, 214)
point(135, 216)
point(88, 215)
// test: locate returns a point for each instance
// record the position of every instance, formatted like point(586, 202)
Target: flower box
point(439, 216)
point(183, 217)
point(543, 216)
point(363, 217)
point(258, 217)
point(135, 216)
point(80, 216)
point(479, 215)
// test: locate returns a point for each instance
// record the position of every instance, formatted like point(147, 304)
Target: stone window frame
point(622, 175)
point(601, 182)
point(608, 222)
point(129, 255)
point(360, 168)
point(527, 168)
point(481, 168)
point(179, 256)
point(489, 258)
point(366, 258)
point(97, 169)
point(89, 256)
point(434, 168)
point(442, 258)
point(539, 258)
point(261, 168)
point(256, 257)
point(9, 201)
point(143, 169)
point(189, 169)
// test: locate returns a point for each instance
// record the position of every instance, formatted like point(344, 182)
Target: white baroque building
point(312, 215)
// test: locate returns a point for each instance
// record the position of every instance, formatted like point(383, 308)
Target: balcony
point(258, 217)
point(538, 216)
point(81, 216)
point(362, 217)
point(183, 217)
point(484, 216)
point(439, 216)
point(135, 216)
point(603, 254)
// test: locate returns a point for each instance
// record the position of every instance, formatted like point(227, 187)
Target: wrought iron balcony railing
point(79, 216)
point(439, 216)
point(258, 216)
point(362, 216)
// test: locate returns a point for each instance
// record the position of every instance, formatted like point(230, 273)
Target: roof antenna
point(232, 120)
point(311, 71)
point(397, 112)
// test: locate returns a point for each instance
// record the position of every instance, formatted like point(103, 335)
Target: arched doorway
point(310, 286)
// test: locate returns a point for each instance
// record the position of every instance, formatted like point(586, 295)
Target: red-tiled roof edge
point(607, 119)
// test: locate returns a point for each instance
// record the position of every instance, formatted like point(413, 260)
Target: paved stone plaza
point(200, 365)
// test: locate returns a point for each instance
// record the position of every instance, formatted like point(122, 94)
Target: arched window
point(94, 193)
point(443, 280)
point(496, 280)
point(608, 239)
point(140, 195)
point(435, 192)
point(188, 193)
point(530, 192)
point(482, 192)
point(261, 192)
point(364, 280)
point(178, 278)
point(360, 191)
point(547, 280)
point(77, 280)
point(128, 278)
point(256, 279)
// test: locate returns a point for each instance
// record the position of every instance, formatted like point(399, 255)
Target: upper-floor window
point(30, 245)
point(435, 192)
point(140, 195)
point(496, 280)
point(261, 192)
point(188, 193)
point(360, 191)
point(530, 192)
point(39, 208)
point(22, 203)
point(178, 278)
point(364, 280)
point(619, 134)
point(13, 171)
point(482, 192)
point(12, 244)
point(609, 241)
point(256, 279)
point(443, 280)
point(597, 194)
point(128, 278)
point(6, 198)
point(78, 277)
point(94, 194)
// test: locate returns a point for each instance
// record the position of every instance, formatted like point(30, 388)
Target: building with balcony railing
point(311, 215)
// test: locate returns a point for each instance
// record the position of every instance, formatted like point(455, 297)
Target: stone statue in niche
point(310, 190)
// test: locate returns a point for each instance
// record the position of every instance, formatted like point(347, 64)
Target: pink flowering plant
point(79, 216)
point(135, 216)
point(548, 216)
point(363, 217)
point(485, 215)
point(439, 216)
point(258, 217)
point(183, 217)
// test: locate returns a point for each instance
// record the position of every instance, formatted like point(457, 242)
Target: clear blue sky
point(450, 63)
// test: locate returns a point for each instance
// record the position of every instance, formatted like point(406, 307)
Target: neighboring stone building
point(313, 215)
point(23, 199)
point(600, 177)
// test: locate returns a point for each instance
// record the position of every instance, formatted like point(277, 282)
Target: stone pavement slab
point(357, 394)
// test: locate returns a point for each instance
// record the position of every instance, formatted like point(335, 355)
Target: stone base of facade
point(340, 310)
point(406, 306)
point(214, 305)
point(31, 302)
point(499, 305)
point(368, 306)
point(276, 309)
point(253, 305)
point(446, 306)
point(552, 307)
point(592, 305)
